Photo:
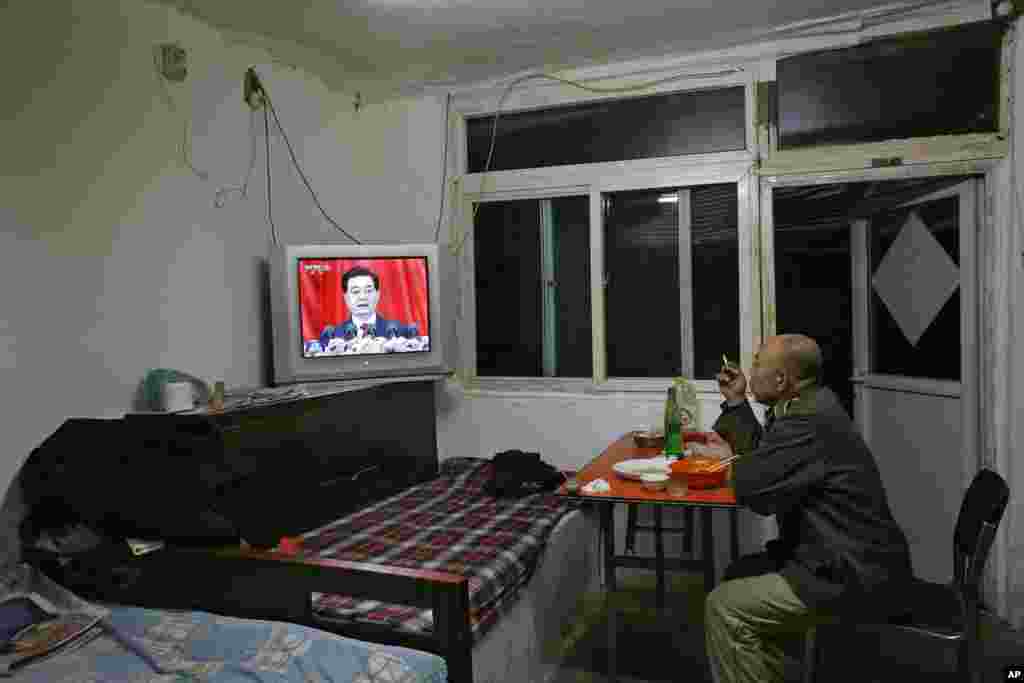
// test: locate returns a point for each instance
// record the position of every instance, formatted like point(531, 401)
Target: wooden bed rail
point(271, 585)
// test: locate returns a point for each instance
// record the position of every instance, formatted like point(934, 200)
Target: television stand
point(250, 397)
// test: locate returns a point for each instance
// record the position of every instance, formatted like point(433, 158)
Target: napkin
point(596, 486)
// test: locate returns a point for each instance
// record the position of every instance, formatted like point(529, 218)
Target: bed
point(528, 561)
point(373, 506)
point(442, 567)
point(141, 645)
point(154, 646)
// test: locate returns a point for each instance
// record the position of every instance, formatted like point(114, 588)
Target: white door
point(916, 350)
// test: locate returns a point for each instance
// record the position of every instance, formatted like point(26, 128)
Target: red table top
point(630, 491)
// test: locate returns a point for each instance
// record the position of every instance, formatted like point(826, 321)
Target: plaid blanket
point(447, 524)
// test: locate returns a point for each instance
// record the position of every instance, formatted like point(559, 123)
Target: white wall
point(1014, 520)
point(113, 257)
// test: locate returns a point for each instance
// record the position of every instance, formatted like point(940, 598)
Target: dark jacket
point(839, 546)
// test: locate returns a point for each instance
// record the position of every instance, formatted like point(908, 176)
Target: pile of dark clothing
point(518, 474)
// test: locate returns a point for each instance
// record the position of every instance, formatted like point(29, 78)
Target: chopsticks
point(724, 462)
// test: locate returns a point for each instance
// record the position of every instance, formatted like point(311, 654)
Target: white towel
point(597, 486)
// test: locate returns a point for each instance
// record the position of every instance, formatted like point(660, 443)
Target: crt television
point(355, 311)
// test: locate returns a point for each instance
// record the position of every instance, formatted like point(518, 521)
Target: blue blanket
point(158, 646)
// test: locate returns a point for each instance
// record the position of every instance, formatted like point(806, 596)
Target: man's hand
point(732, 383)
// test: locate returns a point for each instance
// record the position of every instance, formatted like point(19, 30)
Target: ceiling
point(381, 48)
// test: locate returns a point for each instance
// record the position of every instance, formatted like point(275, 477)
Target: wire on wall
point(270, 194)
point(457, 248)
point(295, 162)
point(257, 97)
point(223, 193)
point(186, 134)
point(444, 165)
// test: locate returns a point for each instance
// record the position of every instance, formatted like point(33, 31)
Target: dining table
point(623, 490)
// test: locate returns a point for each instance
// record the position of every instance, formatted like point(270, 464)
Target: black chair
point(945, 614)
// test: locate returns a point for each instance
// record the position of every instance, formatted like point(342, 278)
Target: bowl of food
point(649, 439)
point(653, 481)
point(700, 472)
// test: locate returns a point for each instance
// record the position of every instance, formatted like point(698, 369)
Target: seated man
point(839, 551)
point(361, 288)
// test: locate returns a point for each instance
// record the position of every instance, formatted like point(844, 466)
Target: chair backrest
point(980, 513)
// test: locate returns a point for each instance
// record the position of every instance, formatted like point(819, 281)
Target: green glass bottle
point(673, 427)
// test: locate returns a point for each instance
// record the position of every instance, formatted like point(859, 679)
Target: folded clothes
point(597, 486)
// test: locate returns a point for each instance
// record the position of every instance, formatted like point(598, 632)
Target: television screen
point(363, 306)
point(355, 311)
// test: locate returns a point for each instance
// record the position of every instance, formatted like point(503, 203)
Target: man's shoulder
point(819, 401)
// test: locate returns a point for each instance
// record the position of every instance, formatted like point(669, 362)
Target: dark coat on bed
point(519, 474)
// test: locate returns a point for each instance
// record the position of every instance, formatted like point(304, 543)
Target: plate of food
point(636, 468)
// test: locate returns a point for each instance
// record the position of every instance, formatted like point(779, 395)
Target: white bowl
point(633, 469)
point(654, 481)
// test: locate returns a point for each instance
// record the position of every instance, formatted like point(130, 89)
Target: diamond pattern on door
point(915, 278)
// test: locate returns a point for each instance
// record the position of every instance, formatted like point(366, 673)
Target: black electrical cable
point(298, 168)
point(444, 166)
point(270, 205)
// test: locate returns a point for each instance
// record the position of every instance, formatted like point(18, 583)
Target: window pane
point(510, 239)
point(813, 272)
point(694, 122)
point(938, 82)
point(716, 274)
point(813, 280)
point(507, 253)
point(641, 237)
point(575, 344)
point(936, 354)
point(644, 326)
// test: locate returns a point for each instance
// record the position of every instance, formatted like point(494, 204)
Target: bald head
point(784, 365)
point(802, 357)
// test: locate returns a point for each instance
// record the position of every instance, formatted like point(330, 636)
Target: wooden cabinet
point(290, 466)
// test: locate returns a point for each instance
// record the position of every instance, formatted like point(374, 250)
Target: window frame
point(594, 180)
point(751, 65)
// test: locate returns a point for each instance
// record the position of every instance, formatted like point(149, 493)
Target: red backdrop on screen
point(403, 292)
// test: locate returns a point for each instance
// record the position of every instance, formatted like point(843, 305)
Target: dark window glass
point(937, 353)
point(510, 308)
point(917, 85)
point(694, 122)
point(643, 326)
point(642, 329)
point(813, 279)
point(575, 344)
point(716, 273)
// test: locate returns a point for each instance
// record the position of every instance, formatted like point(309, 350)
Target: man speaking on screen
point(361, 287)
